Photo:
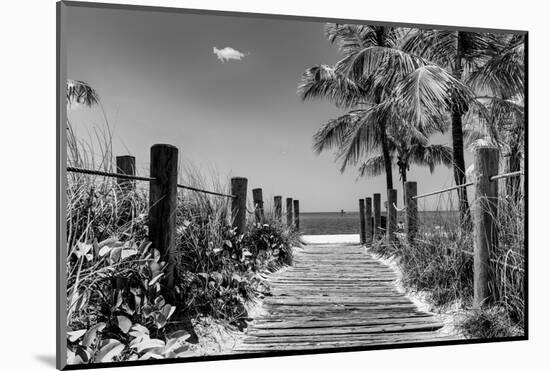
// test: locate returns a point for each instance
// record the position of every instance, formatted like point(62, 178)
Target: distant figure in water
point(342, 212)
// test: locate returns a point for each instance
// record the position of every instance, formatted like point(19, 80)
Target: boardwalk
point(336, 295)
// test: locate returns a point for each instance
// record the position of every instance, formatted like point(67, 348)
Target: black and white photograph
point(249, 185)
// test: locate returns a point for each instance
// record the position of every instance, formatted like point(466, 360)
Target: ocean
point(335, 223)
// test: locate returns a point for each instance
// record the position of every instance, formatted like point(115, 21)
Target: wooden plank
point(365, 316)
point(336, 295)
point(398, 327)
point(330, 322)
point(296, 340)
point(356, 341)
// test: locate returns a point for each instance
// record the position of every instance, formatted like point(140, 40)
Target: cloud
point(228, 53)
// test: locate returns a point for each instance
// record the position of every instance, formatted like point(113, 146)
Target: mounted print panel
point(240, 185)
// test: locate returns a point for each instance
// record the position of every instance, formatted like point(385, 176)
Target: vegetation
point(440, 263)
point(487, 63)
point(115, 309)
point(397, 79)
point(386, 90)
point(399, 87)
point(407, 151)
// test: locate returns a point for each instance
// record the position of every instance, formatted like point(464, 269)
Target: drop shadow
point(47, 359)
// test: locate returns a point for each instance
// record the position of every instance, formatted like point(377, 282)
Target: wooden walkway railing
point(484, 210)
point(163, 186)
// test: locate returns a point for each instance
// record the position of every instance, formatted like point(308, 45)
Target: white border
point(28, 186)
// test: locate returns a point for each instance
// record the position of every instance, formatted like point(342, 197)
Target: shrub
point(114, 303)
point(491, 322)
point(219, 270)
point(114, 277)
point(440, 263)
point(435, 265)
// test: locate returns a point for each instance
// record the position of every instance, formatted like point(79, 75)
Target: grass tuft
point(440, 263)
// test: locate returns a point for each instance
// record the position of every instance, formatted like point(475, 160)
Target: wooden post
point(297, 214)
point(362, 220)
point(258, 199)
point(377, 218)
point(411, 209)
point(289, 212)
point(238, 204)
point(391, 216)
point(485, 209)
point(368, 221)
point(162, 208)
point(278, 205)
point(126, 165)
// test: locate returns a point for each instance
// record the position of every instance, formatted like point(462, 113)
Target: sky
point(223, 90)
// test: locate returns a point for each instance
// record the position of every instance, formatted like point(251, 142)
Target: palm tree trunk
point(386, 155)
point(403, 181)
point(381, 35)
point(459, 167)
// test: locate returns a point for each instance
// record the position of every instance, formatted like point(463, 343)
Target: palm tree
point(406, 152)
point(461, 52)
point(500, 81)
point(380, 85)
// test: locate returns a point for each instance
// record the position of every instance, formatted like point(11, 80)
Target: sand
point(330, 238)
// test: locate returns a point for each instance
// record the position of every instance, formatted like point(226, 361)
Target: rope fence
point(494, 177)
point(506, 175)
point(443, 190)
point(205, 191)
point(163, 200)
point(484, 210)
point(140, 178)
point(107, 174)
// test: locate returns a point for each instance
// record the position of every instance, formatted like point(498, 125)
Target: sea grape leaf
point(75, 335)
point(91, 334)
point(109, 350)
point(148, 344)
point(156, 279)
point(160, 319)
point(124, 323)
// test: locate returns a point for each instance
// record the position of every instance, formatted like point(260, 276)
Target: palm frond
point(504, 73)
point(373, 166)
point(497, 120)
point(442, 46)
point(350, 37)
point(437, 46)
point(333, 133)
point(363, 137)
point(324, 82)
point(81, 92)
point(432, 155)
point(423, 97)
point(387, 64)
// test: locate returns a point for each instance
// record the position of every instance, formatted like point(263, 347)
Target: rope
point(494, 177)
point(104, 173)
point(507, 175)
point(443, 190)
point(398, 209)
point(135, 177)
point(204, 191)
